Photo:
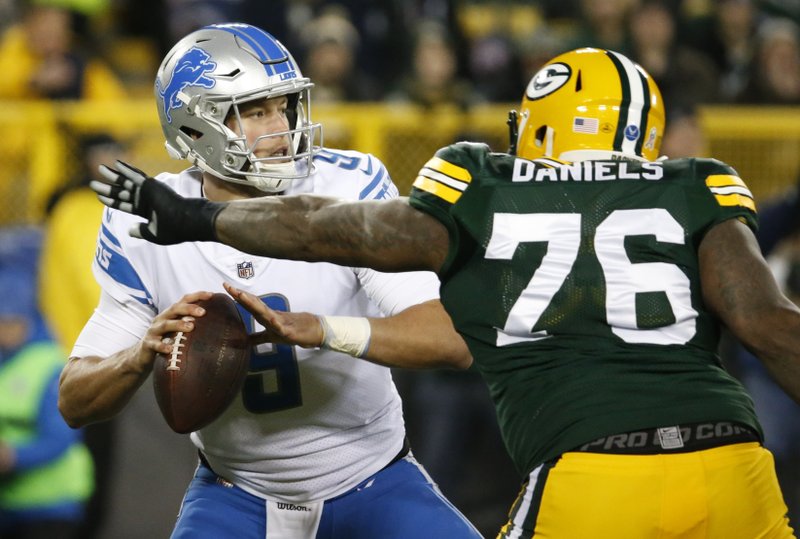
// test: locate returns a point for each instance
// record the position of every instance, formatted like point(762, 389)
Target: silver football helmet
point(200, 85)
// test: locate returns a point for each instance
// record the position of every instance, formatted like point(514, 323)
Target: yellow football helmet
point(590, 104)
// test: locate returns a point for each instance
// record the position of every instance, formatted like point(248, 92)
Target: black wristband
point(199, 218)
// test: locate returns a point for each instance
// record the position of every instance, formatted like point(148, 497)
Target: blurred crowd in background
point(453, 53)
point(424, 51)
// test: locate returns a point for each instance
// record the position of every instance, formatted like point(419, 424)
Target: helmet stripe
point(629, 127)
point(645, 112)
point(624, 104)
point(274, 58)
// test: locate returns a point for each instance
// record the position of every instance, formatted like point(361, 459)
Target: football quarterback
point(314, 445)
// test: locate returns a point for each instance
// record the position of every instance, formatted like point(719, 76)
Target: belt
point(673, 439)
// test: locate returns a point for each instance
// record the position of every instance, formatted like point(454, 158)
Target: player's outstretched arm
point(739, 288)
point(387, 235)
point(383, 235)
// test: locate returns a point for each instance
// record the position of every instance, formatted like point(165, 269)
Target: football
point(197, 382)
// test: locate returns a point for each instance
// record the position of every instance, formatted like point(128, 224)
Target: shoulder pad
point(465, 154)
point(447, 174)
point(708, 167)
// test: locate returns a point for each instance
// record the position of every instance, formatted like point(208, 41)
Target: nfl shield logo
point(245, 270)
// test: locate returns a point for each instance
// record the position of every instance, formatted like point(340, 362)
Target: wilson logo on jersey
point(730, 190)
point(443, 179)
point(292, 507)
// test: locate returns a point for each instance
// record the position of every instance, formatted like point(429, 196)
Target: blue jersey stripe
point(383, 193)
point(121, 271)
point(111, 237)
point(373, 184)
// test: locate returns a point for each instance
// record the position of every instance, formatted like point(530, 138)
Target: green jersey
point(576, 287)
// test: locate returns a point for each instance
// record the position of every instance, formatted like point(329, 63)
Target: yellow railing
point(38, 151)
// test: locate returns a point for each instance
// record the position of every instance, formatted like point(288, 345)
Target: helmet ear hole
point(194, 134)
point(540, 134)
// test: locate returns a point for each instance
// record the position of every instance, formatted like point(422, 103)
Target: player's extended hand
point(301, 329)
point(170, 218)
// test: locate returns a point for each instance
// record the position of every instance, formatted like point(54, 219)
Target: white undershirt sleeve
point(396, 292)
point(113, 326)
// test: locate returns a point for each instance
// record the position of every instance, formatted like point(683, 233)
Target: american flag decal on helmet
point(245, 270)
point(586, 125)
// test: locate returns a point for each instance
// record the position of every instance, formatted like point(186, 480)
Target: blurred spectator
point(536, 49)
point(782, 8)
point(65, 272)
point(604, 24)
point(776, 76)
point(39, 59)
point(559, 9)
point(433, 79)
point(8, 13)
point(494, 69)
point(86, 15)
point(69, 243)
point(145, 21)
point(382, 27)
point(331, 43)
point(727, 36)
point(186, 16)
point(685, 76)
point(684, 136)
point(45, 470)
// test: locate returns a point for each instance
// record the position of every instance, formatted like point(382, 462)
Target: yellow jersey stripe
point(443, 178)
point(435, 188)
point(445, 167)
point(722, 180)
point(736, 199)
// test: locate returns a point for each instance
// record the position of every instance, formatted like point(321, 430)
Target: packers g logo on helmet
point(590, 104)
point(547, 81)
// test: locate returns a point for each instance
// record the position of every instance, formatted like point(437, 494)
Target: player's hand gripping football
point(170, 218)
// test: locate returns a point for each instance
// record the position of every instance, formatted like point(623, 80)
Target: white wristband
point(348, 334)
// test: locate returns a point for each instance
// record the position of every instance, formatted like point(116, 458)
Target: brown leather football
point(197, 382)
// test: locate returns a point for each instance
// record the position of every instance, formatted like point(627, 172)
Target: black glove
point(171, 218)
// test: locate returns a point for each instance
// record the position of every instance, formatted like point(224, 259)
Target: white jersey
point(310, 424)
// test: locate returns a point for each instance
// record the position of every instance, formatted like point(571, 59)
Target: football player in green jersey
point(590, 281)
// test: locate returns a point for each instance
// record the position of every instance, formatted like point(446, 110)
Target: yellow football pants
point(727, 492)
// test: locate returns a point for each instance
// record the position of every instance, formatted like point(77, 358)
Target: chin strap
point(275, 184)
